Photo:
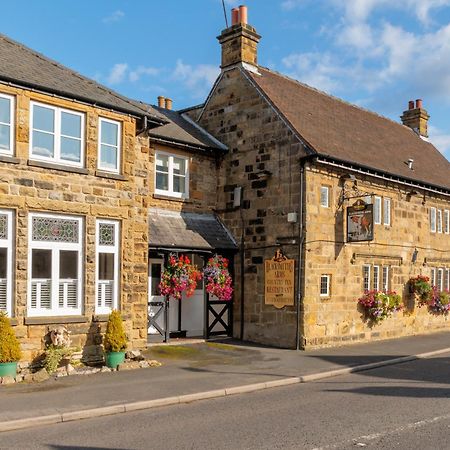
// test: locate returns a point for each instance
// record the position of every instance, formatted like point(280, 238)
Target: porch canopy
point(175, 230)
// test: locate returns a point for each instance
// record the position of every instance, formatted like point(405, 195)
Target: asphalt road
point(406, 406)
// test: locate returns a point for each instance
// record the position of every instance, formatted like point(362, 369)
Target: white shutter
point(105, 294)
point(433, 220)
point(3, 295)
point(41, 294)
point(68, 294)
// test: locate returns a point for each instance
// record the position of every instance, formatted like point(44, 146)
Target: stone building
point(297, 159)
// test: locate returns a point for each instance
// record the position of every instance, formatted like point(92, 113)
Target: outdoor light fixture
point(414, 255)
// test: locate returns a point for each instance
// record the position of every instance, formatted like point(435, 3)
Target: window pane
point(5, 110)
point(162, 181)
point(106, 266)
point(156, 278)
point(70, 149)
point(43, 144)
point(4, 137)
point(70, 125)
point(109, 133)
point(41, 263)
point(43, 118)
point(68, 264)
point(162, 163)
point(108, 157)
point(179, 184)
point(3, 262)
point(179, 166)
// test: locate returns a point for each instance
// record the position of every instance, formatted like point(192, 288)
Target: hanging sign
point(360, 222)
point(279, 281)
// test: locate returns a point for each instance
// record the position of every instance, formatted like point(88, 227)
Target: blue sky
point(376, 53)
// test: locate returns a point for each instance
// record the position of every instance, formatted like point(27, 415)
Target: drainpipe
point(242, 255)
point(300, 252)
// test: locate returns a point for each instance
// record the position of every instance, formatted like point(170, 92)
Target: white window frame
point(387, 211)
point(102, 120)
point(447, 280)
point(385, 281)
point(433, 219)
point(367, 269)
point(8, 243)
point(446, 221)
point(327, 279)
point(440, 279)
point(439, 221)
point(56, 248)
point(433, 277)
point(111, 249)
point(57, 136)
point(325, 196)
point(376, 278)
point(170, 192)
point(11, 125)
point(377, 210)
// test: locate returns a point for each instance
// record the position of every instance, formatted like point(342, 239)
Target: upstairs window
point(172, 175)
point(447, 221)
point(325, 196)
point(6, 124)
point(433, 220)
point(109, 145)
point(377, 211)
point(439, 221)
point(57, 135)
point(55, 265)
point(387, 212)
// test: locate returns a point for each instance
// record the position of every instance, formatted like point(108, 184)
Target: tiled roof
point(25, 67)
point(341, 131)
point(182, 129)
point(173, 229)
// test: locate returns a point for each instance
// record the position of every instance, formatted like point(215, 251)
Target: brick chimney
point(416, 117)
point(239, 42)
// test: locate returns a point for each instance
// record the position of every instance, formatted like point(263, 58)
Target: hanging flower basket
point(439, 302)
point(218, 280)
point(420, 286)
point(378, 306)
point(179, 276)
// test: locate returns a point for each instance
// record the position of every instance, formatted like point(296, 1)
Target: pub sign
point(360, 222)
point(279, 281)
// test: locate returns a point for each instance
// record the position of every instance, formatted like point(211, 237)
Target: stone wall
point(27, 187)
point(336, 319)
point(263, 158)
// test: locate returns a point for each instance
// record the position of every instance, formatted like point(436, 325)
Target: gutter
point(182, 145)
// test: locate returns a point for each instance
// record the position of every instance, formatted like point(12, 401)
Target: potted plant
point(378, 305)
point(10, 352)
point(115, 341)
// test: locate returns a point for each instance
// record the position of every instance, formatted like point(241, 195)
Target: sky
point(378, 54)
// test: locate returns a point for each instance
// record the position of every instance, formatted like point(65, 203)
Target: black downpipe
point(242, 255)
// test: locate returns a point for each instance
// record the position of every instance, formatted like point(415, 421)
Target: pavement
point(199, 371)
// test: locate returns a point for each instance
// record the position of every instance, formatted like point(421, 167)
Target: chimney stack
point(168, 103)
point(416, 117)
point(161, 102)
point(240, 41)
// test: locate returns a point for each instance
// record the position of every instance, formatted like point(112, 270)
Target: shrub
point(53, 356)
point(115, 338)
point(9, 345)
point(380, 305)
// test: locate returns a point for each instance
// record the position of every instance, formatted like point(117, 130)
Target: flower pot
point(8, 369)
point(113, 359)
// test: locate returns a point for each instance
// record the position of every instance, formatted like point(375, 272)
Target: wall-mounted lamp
point(414, 255)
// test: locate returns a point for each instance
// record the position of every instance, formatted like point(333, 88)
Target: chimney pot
point(411, 104)
point(243, 14)
point(168, 103)
point(419, 103)
point(161, 101)
point(234, 16)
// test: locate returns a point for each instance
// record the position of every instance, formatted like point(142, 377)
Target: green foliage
point(421, 286)
point(53, 356)
point(9, 345)
point(115, 338)
point(445, 298)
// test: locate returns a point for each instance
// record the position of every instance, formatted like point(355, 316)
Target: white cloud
point(289, 5)
point(137, 73)
point(117, 73)
point(440, 140)
point(114, 16)
point(198, 79)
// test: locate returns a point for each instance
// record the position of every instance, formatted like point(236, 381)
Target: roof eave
point(185, 145)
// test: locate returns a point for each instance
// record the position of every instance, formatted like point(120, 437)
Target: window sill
point(54, 166)
point(55, 320)
point(173, 199)
point(112, 176)
point(100, 318)
point(9, 159)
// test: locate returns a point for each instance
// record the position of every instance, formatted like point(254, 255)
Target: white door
point(155, 300)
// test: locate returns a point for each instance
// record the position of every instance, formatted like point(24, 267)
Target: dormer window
point(57, 135)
